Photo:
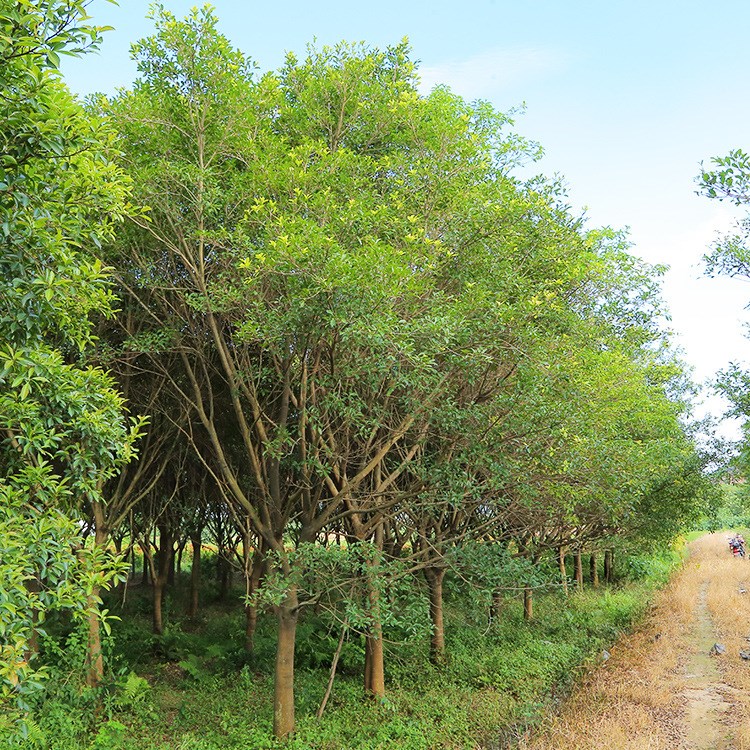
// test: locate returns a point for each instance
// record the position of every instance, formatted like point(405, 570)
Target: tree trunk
point(563, 571)
point(593, 570)
point(496, 608)
point(94, 657)
point(160, 576)
point(144, 574)
point(528, 603)
point(251, 610)
point(374, 664)
point(157, 621)
point(375, 670)
point(171, 570)
point(225, 577)
point(195, 575)
point(283, 698)
point(608, 565)
point(178, 564)
point(434, 577)
point(579, 570)
point(368, 665)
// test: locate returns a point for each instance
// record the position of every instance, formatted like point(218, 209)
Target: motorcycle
point(737, 546)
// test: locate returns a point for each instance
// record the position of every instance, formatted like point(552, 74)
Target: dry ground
point(661, 689)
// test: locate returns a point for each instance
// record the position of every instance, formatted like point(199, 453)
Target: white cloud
point(488, 73)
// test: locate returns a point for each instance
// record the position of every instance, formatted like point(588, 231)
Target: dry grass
point(636, 701)
point(730, 610)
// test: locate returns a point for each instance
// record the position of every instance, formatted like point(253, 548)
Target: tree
point(729, 180)
point(345, 285)
point(62, 425)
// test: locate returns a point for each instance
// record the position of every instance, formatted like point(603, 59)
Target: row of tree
point(363, 347)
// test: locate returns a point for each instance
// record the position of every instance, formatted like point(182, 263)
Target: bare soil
point(663, 688)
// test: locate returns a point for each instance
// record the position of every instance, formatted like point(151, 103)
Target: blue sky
point(627, 98)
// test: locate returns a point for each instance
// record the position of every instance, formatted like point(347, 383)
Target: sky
point(626, 98)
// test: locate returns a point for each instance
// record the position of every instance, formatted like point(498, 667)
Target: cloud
point(489, 73)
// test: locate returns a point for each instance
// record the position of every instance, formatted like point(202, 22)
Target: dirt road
point(662, 688)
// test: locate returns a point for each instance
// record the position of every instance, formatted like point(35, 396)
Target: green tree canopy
point(62, 426)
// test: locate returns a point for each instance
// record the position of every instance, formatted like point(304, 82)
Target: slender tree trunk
point(608, 565)
point(496, 607)
point(160, 577)
point(178, 564)
point(171, 570)
point(195, 574)
point(251, 610)
point(434, 577)
point(225, 576)
point(375, 672)
point(368, 665)
point(332, 674)
point(528, 603)
point(579, 570)
point(374, 664)
point(563, 571)
point(283, 703)
point(94, 657)
point(144, 572)
point(593, 570)
point(157, 598)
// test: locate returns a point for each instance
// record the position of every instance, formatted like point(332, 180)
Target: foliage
point(62, 423)
point(372, 327)
point(349, 319)
point(728, 179)
point(731, 512)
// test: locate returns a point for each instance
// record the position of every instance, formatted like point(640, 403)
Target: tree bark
point(144, 573)
point(375, 671)
point(579, 570)
point(563, 571)
point(195, 575)
point(368, 665)
point(374, 664)
point(171, 573)
point(608, 565)
point(251, 610)
point(528, 603)
point(160, 577)
point(434, 577)
point(496, 606)
point(94, 656)
point(593, 570)
point(225, 577)
point(157, 599)
point(283, 698)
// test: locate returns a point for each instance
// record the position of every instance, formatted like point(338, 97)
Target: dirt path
point(706, 694)
point(662, 689)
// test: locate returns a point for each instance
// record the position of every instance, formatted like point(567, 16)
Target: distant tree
point(728, 179)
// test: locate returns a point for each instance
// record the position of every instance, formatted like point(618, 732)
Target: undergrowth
point(195, 688)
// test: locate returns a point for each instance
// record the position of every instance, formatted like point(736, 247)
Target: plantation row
point(317, 321)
